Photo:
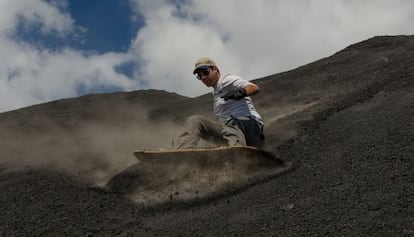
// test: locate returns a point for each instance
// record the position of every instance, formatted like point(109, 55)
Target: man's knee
point(233, 135)
point(195, 119)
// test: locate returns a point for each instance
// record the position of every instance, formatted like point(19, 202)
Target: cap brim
point(201, 67)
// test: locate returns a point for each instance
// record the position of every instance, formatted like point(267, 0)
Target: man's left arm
point(249, 90)
point(252, 89)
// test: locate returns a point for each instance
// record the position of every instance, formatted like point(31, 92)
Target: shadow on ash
point(164, 176)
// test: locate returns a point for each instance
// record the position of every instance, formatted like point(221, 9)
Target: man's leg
point(244, 131)
point(253, 132)
point(198, 127)
point(233, 133)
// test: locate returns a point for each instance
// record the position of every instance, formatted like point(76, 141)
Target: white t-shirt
point(236, 108)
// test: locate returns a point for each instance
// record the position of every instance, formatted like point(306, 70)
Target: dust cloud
point(102, 156)
point(195, 177)
point(98, 149)
point(93, 152)
point(100, 153)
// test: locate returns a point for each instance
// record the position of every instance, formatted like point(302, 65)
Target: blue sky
point(53, 49)
point(108, 23)
point(102, 26)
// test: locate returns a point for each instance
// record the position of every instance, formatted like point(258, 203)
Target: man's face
point(209, 76)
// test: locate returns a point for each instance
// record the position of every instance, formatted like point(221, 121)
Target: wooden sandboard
point(208, 154)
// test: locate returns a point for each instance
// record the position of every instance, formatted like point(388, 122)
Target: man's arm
point(250, 90)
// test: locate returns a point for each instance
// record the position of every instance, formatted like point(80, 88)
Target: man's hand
point(235, 95)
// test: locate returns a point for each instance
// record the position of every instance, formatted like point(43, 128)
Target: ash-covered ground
point(346, 122)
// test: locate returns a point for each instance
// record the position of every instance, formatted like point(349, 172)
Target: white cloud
point(32, 12)
point(30, 74)
point(255, 38)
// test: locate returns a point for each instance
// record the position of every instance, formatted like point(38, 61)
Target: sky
point(54, 49)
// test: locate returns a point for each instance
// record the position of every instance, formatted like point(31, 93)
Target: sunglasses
point(204, 72)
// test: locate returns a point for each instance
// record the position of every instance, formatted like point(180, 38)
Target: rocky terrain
point(346, 122)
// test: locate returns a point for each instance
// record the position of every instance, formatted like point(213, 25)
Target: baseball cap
point(203, 63)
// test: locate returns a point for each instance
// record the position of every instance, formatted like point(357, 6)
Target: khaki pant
point(236, 131)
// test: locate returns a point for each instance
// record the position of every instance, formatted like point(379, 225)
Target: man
point(239, 123)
